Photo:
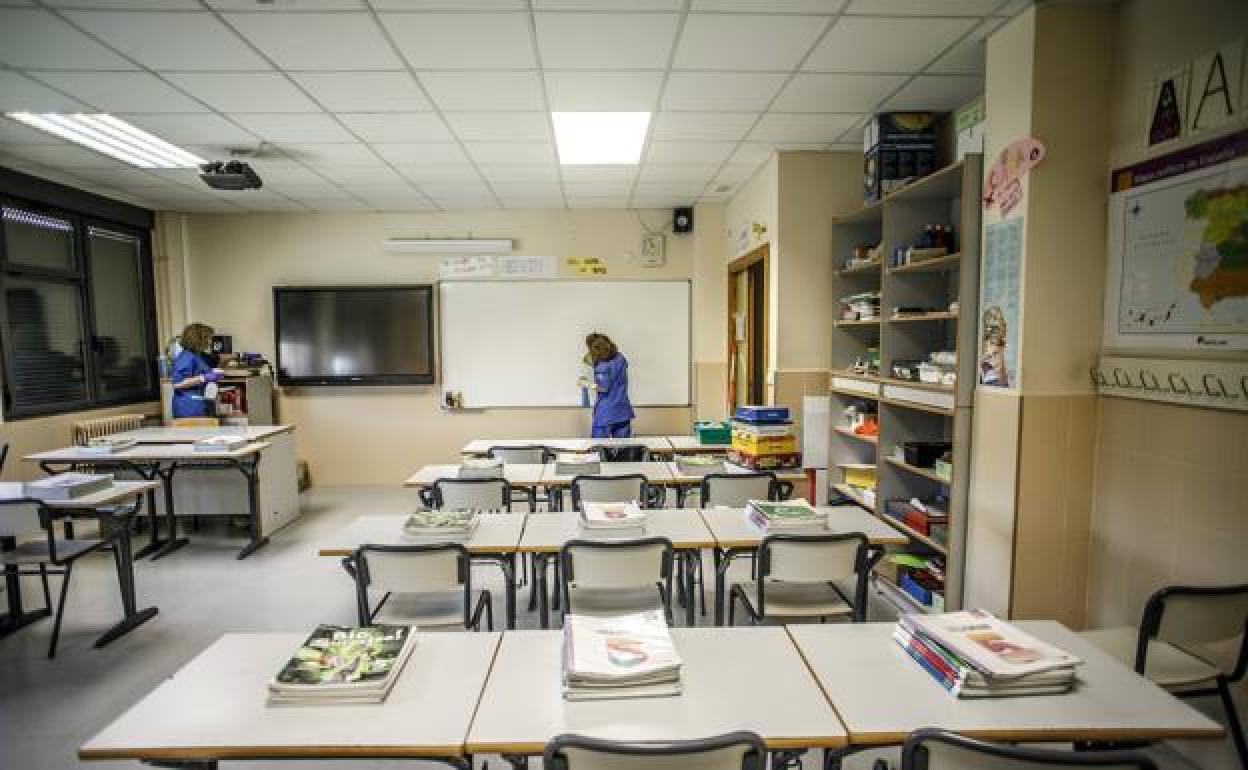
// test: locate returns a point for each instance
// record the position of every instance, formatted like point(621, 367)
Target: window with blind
point(77, 323)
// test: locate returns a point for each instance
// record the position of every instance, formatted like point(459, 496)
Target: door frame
point(754, 336)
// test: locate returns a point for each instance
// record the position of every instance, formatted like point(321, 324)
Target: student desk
point(734, 679)
point(656, 444)
point(214, 708)
point(546, 533)
point(525, 476)
point(684, 482)
point(881, 694)
point(161, 461)
point(734, 537)
point(497, 538)
point(656, 473)
point(691, 445)
point(113, 507)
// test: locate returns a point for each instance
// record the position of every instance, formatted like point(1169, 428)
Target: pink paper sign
point(1003, 188)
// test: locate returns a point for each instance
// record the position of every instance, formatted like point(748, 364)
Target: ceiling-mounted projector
point(230, 175)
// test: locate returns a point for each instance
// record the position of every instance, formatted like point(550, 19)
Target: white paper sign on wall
point(1216, 88)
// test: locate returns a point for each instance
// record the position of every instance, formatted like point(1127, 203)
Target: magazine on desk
point(106, 445)
point(338, 665)
point(577, 463)
point(788, 516)
point(423, 525)
point(220, 444)
point(626, 656)
point(612, 516)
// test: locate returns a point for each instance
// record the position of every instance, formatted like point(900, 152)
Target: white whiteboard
point(520, 343)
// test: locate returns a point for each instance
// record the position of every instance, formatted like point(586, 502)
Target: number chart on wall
point(521, 343)
point(1178, 261)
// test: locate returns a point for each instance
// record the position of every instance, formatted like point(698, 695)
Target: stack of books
point(481, 468)
point(763, 438)
point(220, 444)
point(628, 656)
point(699, 465)
point(339, 665)
point(972, 654)
point(788, 516)
point(612, 516)
point(451, 525)
point(106, 445)
point(67, 486)
point(577, 463)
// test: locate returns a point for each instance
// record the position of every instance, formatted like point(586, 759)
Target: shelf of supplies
point(874, 268)
point(933, 386)
point(898, 597)
point(854, 495)
point(926, 473)
point(853, 394)
point(901, 527)
point(938, 316)
point(902, 404)
point(944, 264)
point(869, 214)
point(942, 183)
point(857, 322)
point(850, 434)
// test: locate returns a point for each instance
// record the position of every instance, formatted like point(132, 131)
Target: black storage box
point(923, 454)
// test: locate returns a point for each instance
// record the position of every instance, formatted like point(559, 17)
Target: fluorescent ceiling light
point(447, 246)
point(600, 138)
point(111, 136)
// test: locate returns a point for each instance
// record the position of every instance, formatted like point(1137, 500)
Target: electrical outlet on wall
point(653, 250)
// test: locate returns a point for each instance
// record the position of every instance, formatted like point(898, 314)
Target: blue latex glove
point(214, 376)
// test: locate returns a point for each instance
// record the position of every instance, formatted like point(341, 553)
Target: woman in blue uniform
point(191, 373)
point(613, 413)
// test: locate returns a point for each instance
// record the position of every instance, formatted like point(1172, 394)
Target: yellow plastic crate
point(763, 445)
point(862, 476)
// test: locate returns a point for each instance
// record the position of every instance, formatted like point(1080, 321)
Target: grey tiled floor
point(49, 707)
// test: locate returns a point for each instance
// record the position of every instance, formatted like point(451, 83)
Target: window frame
point(80, 277)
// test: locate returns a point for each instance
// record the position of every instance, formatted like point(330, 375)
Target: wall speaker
point(682, 220)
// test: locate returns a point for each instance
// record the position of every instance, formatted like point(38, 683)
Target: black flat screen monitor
point(354, 335)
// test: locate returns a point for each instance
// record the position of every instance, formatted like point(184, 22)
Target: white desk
point(656, 473)
point(684, 482)
point(497, 538)
point(214, 707)
point(171, 435)
point(524, 475)
point(163, 460)
point(882, 695)
point(113, 507)
point(691, 445)
point(734, 679)
point(481, 446)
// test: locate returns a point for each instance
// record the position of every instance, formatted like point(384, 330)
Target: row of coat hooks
point(1210, 384)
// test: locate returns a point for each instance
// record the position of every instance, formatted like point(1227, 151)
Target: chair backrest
point(736, 490)
point(472, 494)
point(813, 558)
point(84, 430)
point(1197, 615)
point(731, 751)
point(934, 749)
point(624, 453)
point(616, 563)
point(516, 455)
point(609, 489)
point(415, 568)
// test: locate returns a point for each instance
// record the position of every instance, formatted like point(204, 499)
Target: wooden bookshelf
point(951, 195)
point(855, 495)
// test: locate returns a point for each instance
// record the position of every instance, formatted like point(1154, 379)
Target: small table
point(734, 537)
point(497, 538)
point(691, 445)
point(161, 461)
point(546, 533)
point(113, 507)
point(214, 708)
point(734, 679)
point(684, 482)
point(526, 476)
point(482, 446)
point(656, 473)
point(882, 695)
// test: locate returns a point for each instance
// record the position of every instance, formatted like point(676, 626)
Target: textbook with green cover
point(785, 515)
point(338, 664)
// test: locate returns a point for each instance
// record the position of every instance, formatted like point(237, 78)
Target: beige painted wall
point(379, 435)
point(710, 308)
point(757, 201)
point(1171, 482)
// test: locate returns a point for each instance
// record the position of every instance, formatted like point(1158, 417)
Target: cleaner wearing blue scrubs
point(191, 373)
point(613, 414)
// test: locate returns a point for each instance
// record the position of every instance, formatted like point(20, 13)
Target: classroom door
point(747, 327)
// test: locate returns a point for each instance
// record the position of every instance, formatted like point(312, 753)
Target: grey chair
point(935, 749)
point(798, 576)
point(471, 494)
point(1176, 645)
point(616, 489)
point(732, 751)
point(532, 454)
point(736, 490)
point(422, 585)
point(616, 577)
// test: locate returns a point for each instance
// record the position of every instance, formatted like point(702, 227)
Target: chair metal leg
point(732, 608)
point(60, 610)
point(1232, 721)
point(43, 577)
